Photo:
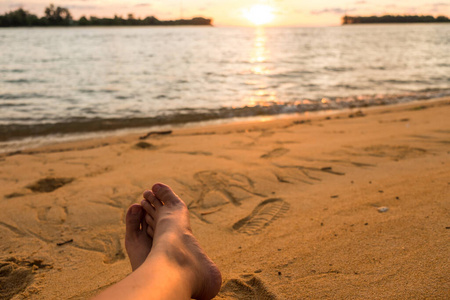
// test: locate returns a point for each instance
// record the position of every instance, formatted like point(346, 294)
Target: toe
point(151, 204)
point(147, 206)
point(165, 194)
point(149, 221)
point(147, 194)
point(152, 199)
point(133, 220)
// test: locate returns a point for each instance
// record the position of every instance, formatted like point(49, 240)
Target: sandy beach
point(353, 205)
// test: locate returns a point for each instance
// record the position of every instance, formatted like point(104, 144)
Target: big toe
point(133, 220)
point(165, 194)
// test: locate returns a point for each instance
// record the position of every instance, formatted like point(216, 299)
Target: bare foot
point(137, 242)
point(168, 223)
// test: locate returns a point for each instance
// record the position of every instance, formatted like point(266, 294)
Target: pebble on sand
point(383, 209)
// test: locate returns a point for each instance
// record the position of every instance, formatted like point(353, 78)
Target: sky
point(232, 12)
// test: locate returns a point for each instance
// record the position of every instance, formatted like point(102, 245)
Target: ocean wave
point(23, 80)
point(398, 81)
point(291, 74)
point(188, 114)
point(8, 104)
point(9, 96)
point(339, 69)
point(12, 71)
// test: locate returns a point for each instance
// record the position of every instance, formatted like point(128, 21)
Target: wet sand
point(354, 206)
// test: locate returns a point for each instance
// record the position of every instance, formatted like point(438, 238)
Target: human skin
point(166, 258)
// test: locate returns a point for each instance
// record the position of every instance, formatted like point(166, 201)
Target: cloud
point(441, 4)
point(335, 10)
point(143, 5)
point(438, 6)
point(15, 5)
point(361, 2)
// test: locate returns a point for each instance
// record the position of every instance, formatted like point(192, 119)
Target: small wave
point(395, 81)
point(121, 97)
point(23, 96)
point(22, 80)
point(216, 75)
point(13, 104)
point(53, 59)
point(398, 81)
point(339, 69)
point(12, 71)
point(108, 91)
point(292, 74)
point(88, 111)
point(349, 87)
point(17, 81)
point(86, 91)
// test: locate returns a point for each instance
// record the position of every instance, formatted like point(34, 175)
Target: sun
point(259, 14)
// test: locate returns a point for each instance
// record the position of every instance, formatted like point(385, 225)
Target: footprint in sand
point(49, 184)
point(275, 153)
point(45, 185)
point(308, 175)
point(246, 287)
point(16, 275)
point(106, 243)
point(263, 215)
point(219, 188)
point(394, 152)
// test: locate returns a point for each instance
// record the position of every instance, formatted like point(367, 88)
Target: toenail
point(157, 187)
point(135, 210)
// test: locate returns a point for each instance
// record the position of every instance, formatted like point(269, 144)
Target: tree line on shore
point(393, 19)
point(60, 16)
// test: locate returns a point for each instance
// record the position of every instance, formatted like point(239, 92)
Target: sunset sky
point(233, 12)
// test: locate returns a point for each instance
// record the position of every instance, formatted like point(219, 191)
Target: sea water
point(57, 80)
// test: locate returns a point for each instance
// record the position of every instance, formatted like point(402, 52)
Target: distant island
point(393, 19)
point(60, 16)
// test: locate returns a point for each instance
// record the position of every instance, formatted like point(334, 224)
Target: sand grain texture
point(288, 209)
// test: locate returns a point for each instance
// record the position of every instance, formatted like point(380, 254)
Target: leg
point(177, 267)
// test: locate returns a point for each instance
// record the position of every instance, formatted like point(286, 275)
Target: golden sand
point(350, 206)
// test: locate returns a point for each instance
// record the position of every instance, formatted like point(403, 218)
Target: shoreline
point(47, 137)
point(349, 205)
